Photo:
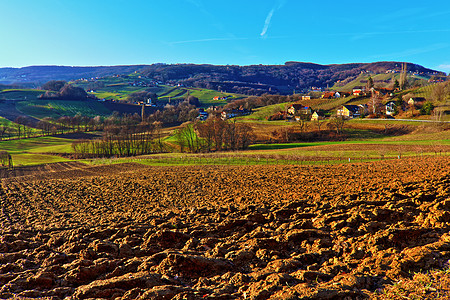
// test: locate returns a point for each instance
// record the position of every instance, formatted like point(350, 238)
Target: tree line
point(214, 134)
point(122, 140)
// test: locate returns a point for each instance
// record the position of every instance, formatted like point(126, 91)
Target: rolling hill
point(249, 80)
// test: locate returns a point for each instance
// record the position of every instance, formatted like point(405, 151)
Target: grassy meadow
point(35, 151)
point(58, 108)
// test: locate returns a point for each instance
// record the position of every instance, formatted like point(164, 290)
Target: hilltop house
point(220, 98)
point(202, 115)
point(416, 101)
point(358, 90)
point(317, 115)
point(228, 114)
point(382, 91)
point(349, 111)
point(298, 109)
point(391, 108)
point(306, 97)
point(331, 95)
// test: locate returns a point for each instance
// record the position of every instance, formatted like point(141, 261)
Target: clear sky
point(119, 32)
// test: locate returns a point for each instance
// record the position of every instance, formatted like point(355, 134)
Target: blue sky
point(117, 32)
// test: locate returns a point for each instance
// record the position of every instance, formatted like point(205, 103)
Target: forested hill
point(254, 79)
point(41, 74)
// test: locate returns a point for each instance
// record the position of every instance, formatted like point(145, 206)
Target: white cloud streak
point(267, 22)
point(279, 4)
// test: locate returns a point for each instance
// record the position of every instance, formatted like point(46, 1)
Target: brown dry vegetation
point(226, 232)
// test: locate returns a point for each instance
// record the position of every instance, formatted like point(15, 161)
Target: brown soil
point(229, 232)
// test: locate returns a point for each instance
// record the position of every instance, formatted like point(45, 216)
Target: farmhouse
point(202, 115)
point(416, 101)
point(349, 111)
point(228, 114)
point(358, 90)
point(220, 98)
point(391, 108)
point(298, 109)
point(330, 95)
point(317, 115)
point(382, 91)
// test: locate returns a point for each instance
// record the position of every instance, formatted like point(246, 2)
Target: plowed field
point(223, 232)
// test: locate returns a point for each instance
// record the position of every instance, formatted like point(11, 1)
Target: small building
point(349, 111)
point(317, 115)
point(329, 95)
point(391, 108)
point(228, 114)
point(202, 115)
point(298, 109)
point(306, 97)
point(345, 94)
point(358, 90)
point(416, 101)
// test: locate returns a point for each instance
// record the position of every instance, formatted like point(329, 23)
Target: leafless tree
point(375, 104)
point(337, 123)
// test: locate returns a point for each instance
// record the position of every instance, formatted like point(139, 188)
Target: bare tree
point(187, 138)
point(375, 104)
point(6, 160)
point(440, 92)
point(337, 123)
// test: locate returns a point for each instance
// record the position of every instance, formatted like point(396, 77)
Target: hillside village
point(359, 103)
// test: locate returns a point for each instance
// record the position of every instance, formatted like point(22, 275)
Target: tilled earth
point(131, 231)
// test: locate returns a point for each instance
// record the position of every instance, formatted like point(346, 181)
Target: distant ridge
point(252, 79)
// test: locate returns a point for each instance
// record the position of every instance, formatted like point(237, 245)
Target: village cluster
point(381, 104)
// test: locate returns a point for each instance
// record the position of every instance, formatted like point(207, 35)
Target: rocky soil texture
point(231, 232)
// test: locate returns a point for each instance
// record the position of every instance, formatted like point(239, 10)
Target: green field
point(34, 144)
point(263, 113)
point(57, 108)
point(27, 159)
point(42, 149)
point(12, 128)
point(34, 151)
point(118, 88)
point(20, 94)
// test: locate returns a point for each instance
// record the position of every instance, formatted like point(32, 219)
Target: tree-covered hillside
point(250, 80)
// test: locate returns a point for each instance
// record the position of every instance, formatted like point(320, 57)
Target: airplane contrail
point(279, 4)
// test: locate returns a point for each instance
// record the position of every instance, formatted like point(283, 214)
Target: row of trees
point(214, 134)
point(23, 127)
point(172, 114)
point(127, 136)
point(20, 128)
point(123, 140)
